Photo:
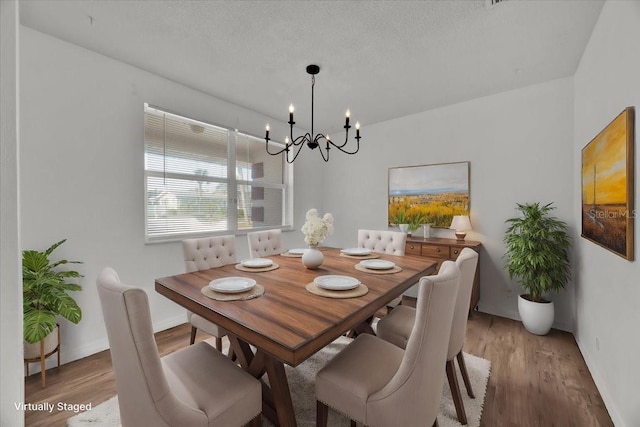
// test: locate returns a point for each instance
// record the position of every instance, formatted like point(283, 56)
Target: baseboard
point(85, 350)
point(609, 402)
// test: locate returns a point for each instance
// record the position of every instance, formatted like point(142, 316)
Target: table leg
point(242, 350)
point(281, 392)
point(276, 397)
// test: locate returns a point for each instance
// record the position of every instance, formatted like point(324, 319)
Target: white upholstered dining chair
point(194, 386)
point(379, 384)
point(382, 241)
point(396, 328)
point(202, 254)
point(265, 243)
point(385, 242)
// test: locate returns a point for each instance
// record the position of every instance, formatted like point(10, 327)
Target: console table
point(439, 249)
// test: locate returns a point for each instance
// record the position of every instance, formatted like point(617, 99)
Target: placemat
point(257, 291)
point(351, 293)
point(257, 270)
point(287, 254)
point(370, 256)
point(395, 269)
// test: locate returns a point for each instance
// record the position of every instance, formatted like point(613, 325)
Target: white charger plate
point(232, 285)
point(296, 251)
point(257, 263)
point(356, 251)
point(336, 283)
point(378, 264)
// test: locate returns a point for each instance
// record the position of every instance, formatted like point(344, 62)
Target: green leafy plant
point(400, 217)
point(537, 250)
point(44, 291)
point(416, 221)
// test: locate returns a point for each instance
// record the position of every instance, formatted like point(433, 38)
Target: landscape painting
point(607, 186)
point(432, 193)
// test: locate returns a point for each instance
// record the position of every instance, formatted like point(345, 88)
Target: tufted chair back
point(208, 252)
point(265, 243)
point(386, 242)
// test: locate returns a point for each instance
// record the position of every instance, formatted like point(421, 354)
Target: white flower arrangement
point(316, 229)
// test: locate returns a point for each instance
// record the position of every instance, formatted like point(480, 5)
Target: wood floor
point(535, 381)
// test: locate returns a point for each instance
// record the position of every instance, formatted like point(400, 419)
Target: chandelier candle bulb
point(357, 130)
point(347, 118)
point(291, 114)
point(267, 128)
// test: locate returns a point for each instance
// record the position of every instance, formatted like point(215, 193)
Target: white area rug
point(301, 382)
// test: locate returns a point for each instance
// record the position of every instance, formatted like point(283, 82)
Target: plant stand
point(44, 355)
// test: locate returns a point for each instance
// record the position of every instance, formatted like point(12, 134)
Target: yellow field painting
point(435, 193)
point(607, 187)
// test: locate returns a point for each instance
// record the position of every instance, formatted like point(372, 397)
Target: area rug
point(301, 382)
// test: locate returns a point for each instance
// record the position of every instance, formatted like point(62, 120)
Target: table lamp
point(461, 224)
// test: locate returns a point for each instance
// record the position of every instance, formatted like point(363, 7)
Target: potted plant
point(401, 220)
point(537, 255)
point(44, 292)
point(416, 221)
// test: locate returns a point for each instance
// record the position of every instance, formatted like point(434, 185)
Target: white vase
point(404, 227)
point(537, 317)
point(312, 258)
point(426, 231)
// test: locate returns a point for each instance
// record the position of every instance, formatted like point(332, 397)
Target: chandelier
point(292, 147)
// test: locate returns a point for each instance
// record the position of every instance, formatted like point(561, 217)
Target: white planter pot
point(312, 258)
point(404, 227)
point(537, 317)
point(32, 351)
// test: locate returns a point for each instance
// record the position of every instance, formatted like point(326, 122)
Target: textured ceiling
point(380, 59)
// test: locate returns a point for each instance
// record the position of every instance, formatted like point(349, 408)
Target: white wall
point(519, 145)
point(608, 292)
point(12, 386)
point(82, 172)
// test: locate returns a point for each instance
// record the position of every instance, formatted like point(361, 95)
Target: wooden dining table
point(288, 324)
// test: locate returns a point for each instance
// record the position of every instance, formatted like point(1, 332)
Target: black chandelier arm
point(339, 147)
point(286, 148)
point(346, 138)
point(301, 139)
point(330, 143)
point(296, 155)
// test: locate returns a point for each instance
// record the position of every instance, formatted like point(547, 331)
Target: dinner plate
point(296, 251)
point(356, 251)
point(336, 283)
point(377, 264)
point(232, 285)
point(257, 263)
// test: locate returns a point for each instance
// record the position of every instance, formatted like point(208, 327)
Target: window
point(202, 179)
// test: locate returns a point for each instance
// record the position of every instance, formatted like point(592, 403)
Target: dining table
point(287, 324)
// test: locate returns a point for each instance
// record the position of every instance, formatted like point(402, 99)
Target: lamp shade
point(460, 223)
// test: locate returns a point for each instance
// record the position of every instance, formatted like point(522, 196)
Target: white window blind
point(261, 184)
point(189, 188)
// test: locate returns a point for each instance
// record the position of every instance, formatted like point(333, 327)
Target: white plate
point(336, 283)
point(232, 285)
point(356, 251)
point(257, 263)
point(296, 251)
point(377, 264)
